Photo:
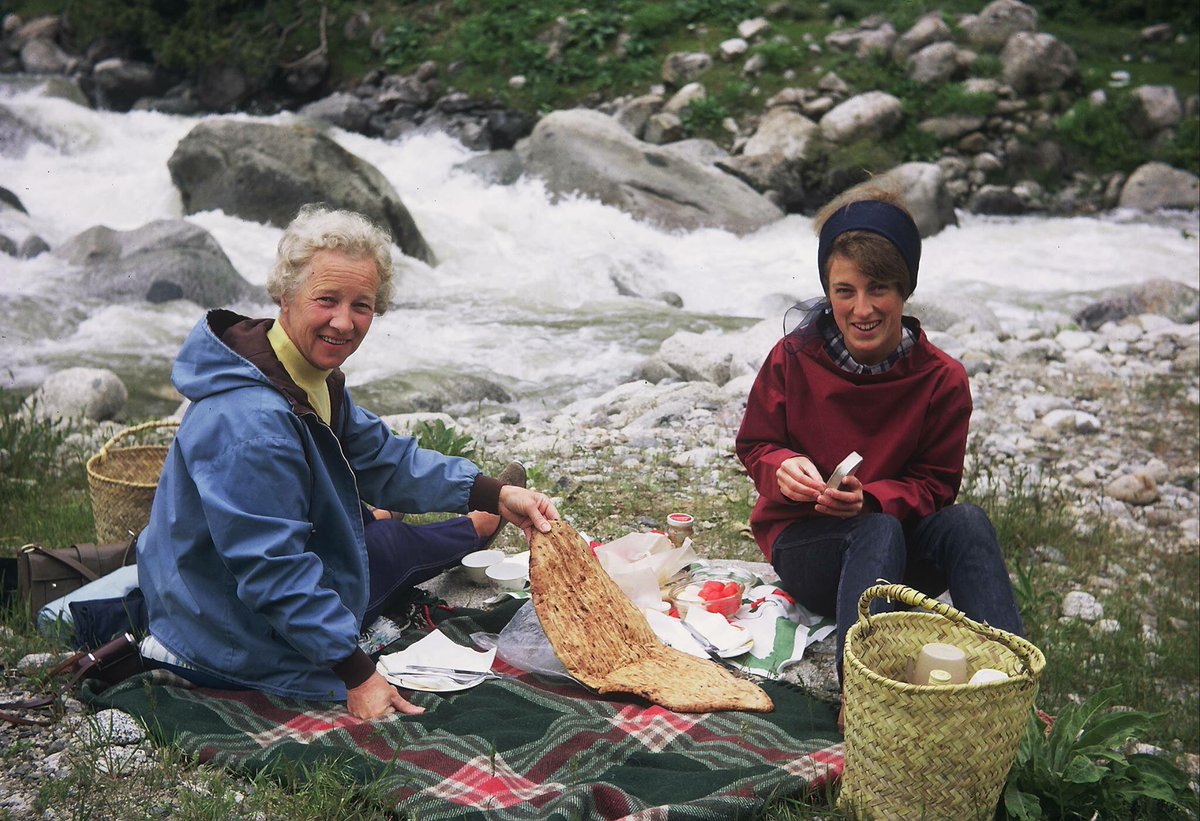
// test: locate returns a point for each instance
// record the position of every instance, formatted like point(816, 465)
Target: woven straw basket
point(930, 752)
point(122, 482)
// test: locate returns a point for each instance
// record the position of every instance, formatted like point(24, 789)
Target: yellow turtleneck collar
point(309, 378)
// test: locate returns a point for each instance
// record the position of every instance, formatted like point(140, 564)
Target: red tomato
point(726, 607)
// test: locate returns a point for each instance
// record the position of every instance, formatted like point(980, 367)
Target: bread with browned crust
point(603, 639)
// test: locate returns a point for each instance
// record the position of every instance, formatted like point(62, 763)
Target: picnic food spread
point(603, 639)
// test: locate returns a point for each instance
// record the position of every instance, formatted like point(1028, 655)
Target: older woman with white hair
point(260, 564)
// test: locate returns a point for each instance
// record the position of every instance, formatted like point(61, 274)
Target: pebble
point(1081, 605)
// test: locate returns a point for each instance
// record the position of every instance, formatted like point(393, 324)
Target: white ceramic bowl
point(509, 575)
point(476, 564)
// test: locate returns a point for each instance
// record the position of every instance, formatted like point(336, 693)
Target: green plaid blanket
point(522, 747)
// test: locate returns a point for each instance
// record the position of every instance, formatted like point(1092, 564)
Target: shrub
point(1100, 135)
point(1077, 769)
point(445, 439)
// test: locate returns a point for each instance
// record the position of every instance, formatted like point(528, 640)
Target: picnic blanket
point(522, 747)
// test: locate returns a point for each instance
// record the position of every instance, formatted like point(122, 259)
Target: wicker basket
point(122, 482)
point(930, 752)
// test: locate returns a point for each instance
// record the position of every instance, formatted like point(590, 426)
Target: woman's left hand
point(527, 509)
point(844, 502)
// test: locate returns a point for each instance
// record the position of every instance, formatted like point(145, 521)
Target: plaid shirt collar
point(835, 346)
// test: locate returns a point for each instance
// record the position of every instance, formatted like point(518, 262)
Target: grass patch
point(43, 484)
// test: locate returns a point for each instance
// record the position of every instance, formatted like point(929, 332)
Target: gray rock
point(1081, 605)
point(684, 97)
point(502, 167)
point(655, 371)
point(589, 153)
point(264, 172)
point(662, 128)
point(79, 393)
point(996, 199)
point(32, 246)
point(705, 152)
point(733, 47)
point(161, 261)
point(681, 67)
point(1157, 185)
point(930, 29)
point(934, 65)
point(1177, 301)
point(1155, 108)
point(222, 87)
point(997, 22)
point(782, 131)
point(44, 57)
point(1134, 488)
point(924, 190)
point(864, 40)
point(873, 115)
point(974, 314)
point(108, 728)
point(634, 114)
point(1036, 63)
point(773, 175)
point(951, 127)
point(120, 83)
point(343, 110)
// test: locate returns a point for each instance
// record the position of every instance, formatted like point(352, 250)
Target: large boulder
point(265, 173)
point(589, 153)
point(161, 261)
point(998, 21)
point(121, 83)
point(1157, 185)
point(873, 115)
point(1034, 63)
point(923, 187)
point(79, 393)
point(783, 131)
point(1175, 300)
point(1155, 108)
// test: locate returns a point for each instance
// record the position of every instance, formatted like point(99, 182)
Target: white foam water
point(530, 290)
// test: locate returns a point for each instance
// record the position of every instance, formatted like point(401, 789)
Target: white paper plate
point(736, 651)
point(434, 684)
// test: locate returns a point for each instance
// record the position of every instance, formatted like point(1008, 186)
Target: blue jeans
point(826, 563)
point(401, 556)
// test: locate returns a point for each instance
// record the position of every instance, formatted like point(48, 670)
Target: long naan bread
point(602, 638)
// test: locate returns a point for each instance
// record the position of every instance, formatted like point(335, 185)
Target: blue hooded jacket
point(253, 564)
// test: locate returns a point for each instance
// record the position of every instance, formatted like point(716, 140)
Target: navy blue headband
point(877, 217)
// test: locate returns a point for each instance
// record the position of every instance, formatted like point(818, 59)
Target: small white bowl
point(477, 563)
point(509, 575)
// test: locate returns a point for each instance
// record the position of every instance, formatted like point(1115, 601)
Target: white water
point(524, 291)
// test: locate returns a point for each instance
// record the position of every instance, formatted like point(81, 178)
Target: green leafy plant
point(1101, 134)
point(1077, 769)
point(445, 439)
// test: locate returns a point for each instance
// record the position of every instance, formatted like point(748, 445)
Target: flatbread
point(603, 639)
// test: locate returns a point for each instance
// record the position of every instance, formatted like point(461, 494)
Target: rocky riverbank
point(1103, 418)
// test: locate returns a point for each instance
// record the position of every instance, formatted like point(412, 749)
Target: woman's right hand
point(376, 698)
point(799, 479)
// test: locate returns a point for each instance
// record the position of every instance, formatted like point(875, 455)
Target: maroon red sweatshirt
point(909, 424)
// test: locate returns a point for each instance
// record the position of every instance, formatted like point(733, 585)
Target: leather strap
point(74, 564)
